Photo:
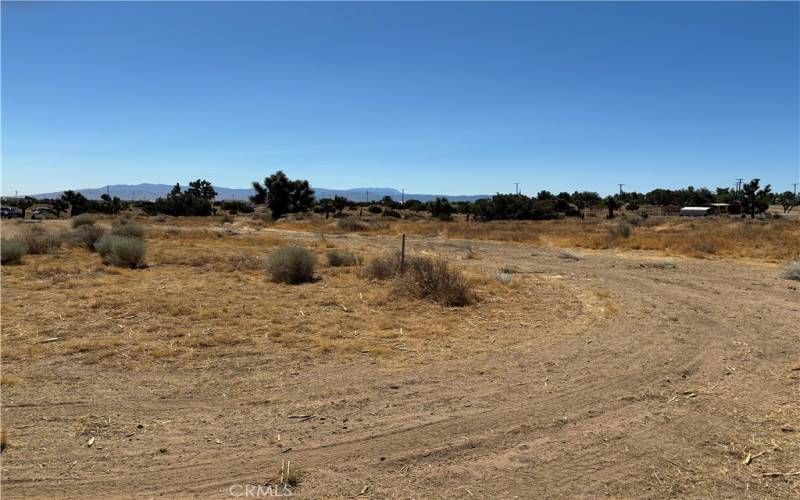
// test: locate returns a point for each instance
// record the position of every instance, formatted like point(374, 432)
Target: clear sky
point(454, 98)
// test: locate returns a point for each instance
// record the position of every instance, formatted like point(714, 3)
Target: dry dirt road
point(629, 376)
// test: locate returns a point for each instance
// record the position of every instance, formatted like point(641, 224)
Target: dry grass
point(772, 240)
point(204, 296)
point(204, 292)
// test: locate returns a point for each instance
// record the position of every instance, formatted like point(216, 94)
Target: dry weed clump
point(621, 229)
point(343, 259)
point(423, 277)
point(351, 225)
point(427, 277)
point(291, 264)
point(39, 240)
point(791, 271)
point(383, 267)
point(12, 251)
point(122, 251)
point(82, 220)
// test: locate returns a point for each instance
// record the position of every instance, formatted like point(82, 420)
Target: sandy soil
point(596, 374)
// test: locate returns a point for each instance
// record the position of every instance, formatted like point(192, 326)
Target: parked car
point(44, 213)
point(10, 212)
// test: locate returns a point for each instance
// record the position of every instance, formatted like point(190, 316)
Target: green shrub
point(87, 235)
point(39, 240)
point(127, 227)
point(123, 251)
point(83, 220)
point(374, 209)
point(291, 264)
point(12, 251)
point(339, 259)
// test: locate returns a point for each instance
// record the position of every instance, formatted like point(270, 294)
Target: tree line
point(282, 195)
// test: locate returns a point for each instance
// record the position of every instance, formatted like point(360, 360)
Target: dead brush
point(621, 230)
point(350, 224)
point(343, 259)
point(288, 475)
point(383, 267)
point(423, 277)
point(39, 240)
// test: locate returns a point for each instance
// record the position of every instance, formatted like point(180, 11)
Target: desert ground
point(661, 364)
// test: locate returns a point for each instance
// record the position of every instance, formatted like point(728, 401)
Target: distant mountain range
point(152, 191)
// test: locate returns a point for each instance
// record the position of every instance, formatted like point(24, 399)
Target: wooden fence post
point(403, 254)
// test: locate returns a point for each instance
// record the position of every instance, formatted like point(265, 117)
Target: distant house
point(696, 211)
point(726, 208)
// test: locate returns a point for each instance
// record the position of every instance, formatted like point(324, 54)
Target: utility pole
point(367, 195)
point(795, 190)
point(620, 189)
point(516, 190)
point(403, 196)
point(738, 187)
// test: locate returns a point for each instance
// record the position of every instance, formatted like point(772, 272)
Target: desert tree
point(302, 196)
point(755, 198)
point(326, 206)
point(201, 188)
point(612, 204)
point(59, 206)
point(282, 195)
point(340, 203)
point(110, 205)
point(788, 201)
point(78, 203)
point(441, 207)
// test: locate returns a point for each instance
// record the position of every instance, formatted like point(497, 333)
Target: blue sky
point(454, 98)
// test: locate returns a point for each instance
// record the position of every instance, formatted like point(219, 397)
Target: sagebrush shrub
point(127, 227)
point(83, 220)
point(39, 240)
point(337, 258)
point(12, 251)
point(374, 209)
point(383, 267)
point(123, 251)
point(291, 264)
point(87, 235)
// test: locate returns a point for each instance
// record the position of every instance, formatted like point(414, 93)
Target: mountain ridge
point(149, 192)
